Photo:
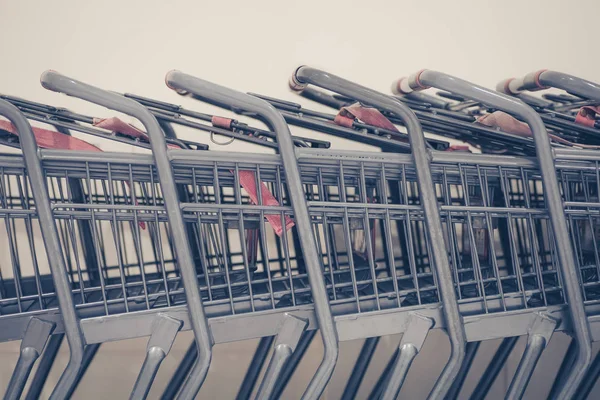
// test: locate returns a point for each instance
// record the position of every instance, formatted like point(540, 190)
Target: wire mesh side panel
point(115, 236)
point(369, 228)
point(245, 243)
point(25, 284)
point(580, 184)
point(499, 236)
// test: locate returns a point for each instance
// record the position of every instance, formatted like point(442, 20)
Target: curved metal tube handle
point(52, 244)
point(56, 82)
point(455, 328)
point(427, 78)
point(220, 95)
point(545, 79)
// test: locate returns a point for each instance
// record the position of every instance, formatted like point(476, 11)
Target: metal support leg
point(588, 383)
point(292, 364)
point(360, 368)
point(564, 370)
point(32, 345)
point(496, 364)
point(384, 377)
point(45, 364)
point(540, 332)
point(163, 335)
point(256, 365)
point(182, 371)
point(285, 345)
point(410, 345)
point(89, 353)
point(472, 348)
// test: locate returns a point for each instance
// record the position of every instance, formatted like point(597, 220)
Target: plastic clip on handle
point(220, 95)
point(544, 79)
point(426, 78)
point(56, 82)
point(53, 247)
point(455, 328)
point(529, 82)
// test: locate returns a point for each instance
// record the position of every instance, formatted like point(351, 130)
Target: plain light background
point(128, 46)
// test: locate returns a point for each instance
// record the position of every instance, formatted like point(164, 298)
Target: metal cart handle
point(59, 83)
point(455, 328)
point(545, 79)
point(427, 78)
point(53, 250)
point(220, 95)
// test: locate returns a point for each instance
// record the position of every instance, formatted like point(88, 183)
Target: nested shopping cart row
point(355, 244)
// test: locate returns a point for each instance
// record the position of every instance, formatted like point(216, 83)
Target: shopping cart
point(581, 347)
point(85, 293)
point(578, 172)
point(88, 241)
point(576, 156)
